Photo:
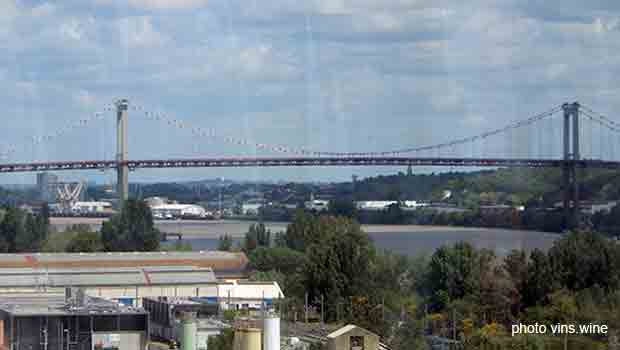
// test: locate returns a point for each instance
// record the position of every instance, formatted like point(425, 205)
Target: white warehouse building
point(178, 210)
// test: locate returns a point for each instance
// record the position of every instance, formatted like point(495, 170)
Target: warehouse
point(55, 322)
point(244, 295)
point(225, 265)
point(124, 285)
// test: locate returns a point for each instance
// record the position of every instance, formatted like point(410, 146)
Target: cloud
point(159, 4)
point(346, 74)
point(139, 32)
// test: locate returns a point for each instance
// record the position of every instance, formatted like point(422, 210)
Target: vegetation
point(131, 230)
point(457, 291)
point(225, 243)
point(23, 232)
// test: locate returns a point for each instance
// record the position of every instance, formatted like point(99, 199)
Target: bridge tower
point(570, 181)
point(122, 171)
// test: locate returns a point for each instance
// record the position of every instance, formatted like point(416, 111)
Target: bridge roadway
point(300, 161)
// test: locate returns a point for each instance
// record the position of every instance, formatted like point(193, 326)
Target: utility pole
point(322, 310)
point(122, 170)
point(306, 308)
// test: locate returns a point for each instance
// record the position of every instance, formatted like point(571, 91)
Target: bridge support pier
point(122, 171)
point(570, 180)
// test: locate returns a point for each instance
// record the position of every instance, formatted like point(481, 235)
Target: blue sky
point(332, 75)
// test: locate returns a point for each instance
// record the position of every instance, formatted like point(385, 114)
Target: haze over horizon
point(349, 76)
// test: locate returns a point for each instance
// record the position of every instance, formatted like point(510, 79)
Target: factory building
point(163, 209)
point(124, 285)
point(55, 322)
point(168, 318)
point(245, 295)
point(46, 186)
point(225, 265)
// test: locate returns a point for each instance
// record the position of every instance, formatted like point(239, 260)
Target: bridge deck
point(300, 161)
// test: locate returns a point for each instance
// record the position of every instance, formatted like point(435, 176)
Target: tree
point(540, 279)
point(280, 259)
point(584, 259)
point(450, 273)
point(222, 341)
point(225, 243)
point(343, 207)
point(339, 265)
point(515, 265)
point(11, 228)
point(131, 230)
point(257, 236)
point(85, 242)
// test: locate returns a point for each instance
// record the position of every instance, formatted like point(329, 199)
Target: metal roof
point(220, 262)
point(99, 277)
point(34, 304)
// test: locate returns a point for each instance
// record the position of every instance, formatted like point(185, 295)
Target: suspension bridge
point(576, 123)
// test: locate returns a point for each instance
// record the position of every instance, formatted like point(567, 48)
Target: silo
point(271, 333)
point(189, 329)
point(247, 339)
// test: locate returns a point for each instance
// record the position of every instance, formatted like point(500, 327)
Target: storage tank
point(189, 329)
point(247, 339)
point(271, 333)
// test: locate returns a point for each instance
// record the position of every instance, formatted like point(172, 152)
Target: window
point(357, 343)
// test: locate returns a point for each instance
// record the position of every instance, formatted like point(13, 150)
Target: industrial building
point(169, 318)
point(56, 322)
point(225, 265)
point(245, 295)
point(351, 337)
point(124, 285)
point(163, 209)
point(46, 186)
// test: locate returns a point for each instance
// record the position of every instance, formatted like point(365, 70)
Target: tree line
point(457, 291)
point(130, 230)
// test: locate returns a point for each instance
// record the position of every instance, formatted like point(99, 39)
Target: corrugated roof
point(55, 304)
point(220, 262)
point(164, 275)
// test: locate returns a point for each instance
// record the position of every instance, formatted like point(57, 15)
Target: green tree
point(223, 341)
point(584, 259)
point(450, 273)
point(131, 230)
point(257, 236)
point(12, 230)
point(515, 265)
point(279, 259)
point(343, 207)
point(540, 279)
point(225, 243)
point(85, 242)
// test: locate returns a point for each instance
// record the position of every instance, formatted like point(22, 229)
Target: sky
point(326, 75)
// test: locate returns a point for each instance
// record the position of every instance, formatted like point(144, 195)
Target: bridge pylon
point(122, 170)
point(570, 180)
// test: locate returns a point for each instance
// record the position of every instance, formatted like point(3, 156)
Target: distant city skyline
point(322, 75)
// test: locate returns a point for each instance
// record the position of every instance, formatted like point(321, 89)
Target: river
point(402, 239)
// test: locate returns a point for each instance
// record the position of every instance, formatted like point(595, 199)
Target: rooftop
point(36, 304)
point(99, 277)
point(217, 260)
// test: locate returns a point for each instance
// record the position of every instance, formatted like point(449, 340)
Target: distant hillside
point(511, 186)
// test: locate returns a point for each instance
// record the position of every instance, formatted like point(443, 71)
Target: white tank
point(271, 333)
